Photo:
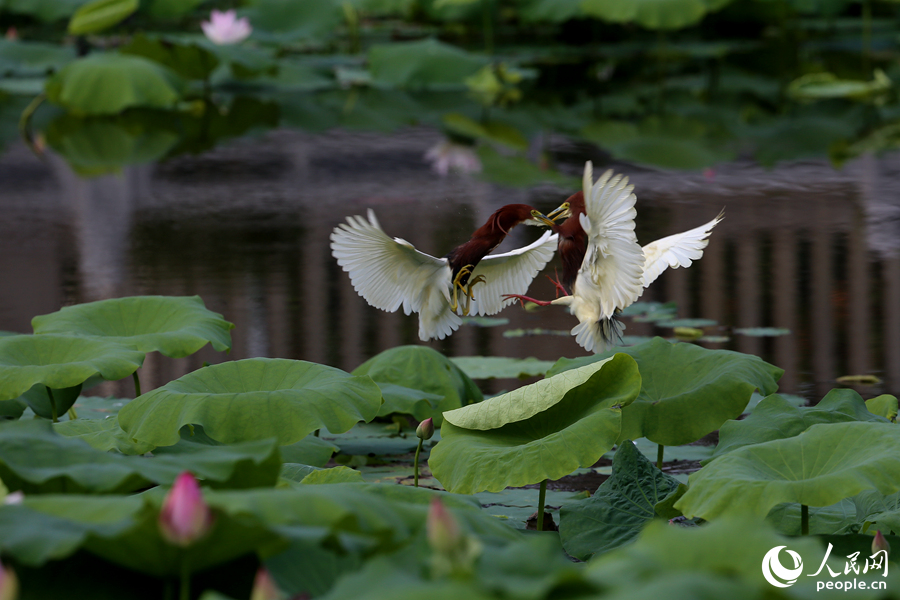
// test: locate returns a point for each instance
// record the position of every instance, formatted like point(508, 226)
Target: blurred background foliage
point(681, 84)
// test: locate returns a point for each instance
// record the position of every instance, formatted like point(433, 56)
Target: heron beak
point(562, 212)
point(539, 216)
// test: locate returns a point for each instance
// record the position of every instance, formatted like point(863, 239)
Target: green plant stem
point(185, 588)
point(541, 499)
point(53, 412)
point(804, 519)
point(488, 27)
point(25, 122)
point(72, 414)
point(660, 450)
point(416, 462)
point(137, 384)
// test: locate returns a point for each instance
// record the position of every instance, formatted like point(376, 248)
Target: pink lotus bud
point(443, 532)
point(879, 544)
point(425, 429)
point(12, 34)
point(9, 584)
point(263, 586)
point(224, 28)
point(185, 517)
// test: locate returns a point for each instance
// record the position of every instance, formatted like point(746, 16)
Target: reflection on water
point(246, 227)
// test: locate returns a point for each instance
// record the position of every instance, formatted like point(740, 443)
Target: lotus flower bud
point(425, 429)
point(224, 28)
point(9, 584)
point(443, 532)
point(263, 586)
point(185, 517)
point(879, 544)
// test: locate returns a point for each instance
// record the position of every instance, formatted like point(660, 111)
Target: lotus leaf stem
point(488, 25)
point(804, 519)
point(416, 462)
point(72, 414)
point(137, 384)
point(185, 593)
point(542, 497)
point(660, 451)
point(53, 412)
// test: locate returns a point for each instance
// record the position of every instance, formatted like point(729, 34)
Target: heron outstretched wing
point(614, 260)
point(509, 273)
point(390, 273)
point(679, 250)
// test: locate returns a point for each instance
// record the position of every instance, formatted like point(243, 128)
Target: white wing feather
point(509, 273)
point(614, 260)
point(679, 250)
point(390, 273)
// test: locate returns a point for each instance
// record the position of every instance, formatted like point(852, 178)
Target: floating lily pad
point(61, 361)
point(689, 323)
point(762, 331)
point(542, 431)
point(819, 467)
point(253, 399)
point(373, 439)
point(173, 326)
point(859, 380)
point(490, 367)
point(485, 321)
point(517, 333)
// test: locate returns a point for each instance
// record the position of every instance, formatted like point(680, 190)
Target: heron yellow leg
point(454, 303)
point(469, 295)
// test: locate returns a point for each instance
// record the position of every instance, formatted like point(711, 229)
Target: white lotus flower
point(225, 28)
point(448, 155)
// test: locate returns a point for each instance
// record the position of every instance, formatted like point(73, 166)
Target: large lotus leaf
point(253, 399)
point(490, 367)
point(400, 399)
point(12, 409)
point(310, 450)
point(423, 64)
point(774, 418)
point(61, 361)
point(652, 14)
point(288, 21)
point(687, 391)
point(423, 368)
point(48, 403)
point(524, 402)
point(571, 432)
point(102, 434)
point(98, 15)
point(175, 326)
point(884, 405)
point(879, 511)
point(106, 83)
point(188, 59)
point(819, 467)
point(35, 459)
point(619, 509)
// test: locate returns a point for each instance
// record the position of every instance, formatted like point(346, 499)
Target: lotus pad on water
point(173, 326)
point(61, 361)
point(253, 399)
point(542, 431)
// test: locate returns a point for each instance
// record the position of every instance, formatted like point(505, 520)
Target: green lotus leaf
point(43, 10)
point(838, 518)
point(824, 86)
point(524, 402)
point(400, 399)
point(101, 434)
point(687, 391)
point(173, 326)
point(333, 475)
point(310, 450)
point(106, 83)
point(652, 14)
point(425, 369)
point(878, 511)
point(570, 432)
point(819, 467)
point(490, 367)
point(35, 459)
point(100, 14)
point(884, 405)
point(41, 402)
point(620, 507)
point(283, 21)
point(32, 59)
point(423, 64)
point(12, 409)
point(61, 361)
point(775, 418)
point(253, 399)
point(188, 59)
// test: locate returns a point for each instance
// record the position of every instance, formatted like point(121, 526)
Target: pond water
point(803, 247)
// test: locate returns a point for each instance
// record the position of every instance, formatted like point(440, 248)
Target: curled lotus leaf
point(562, 434)
point(253, 399)
point(61, 361)
point(175, 326)
point(819, 467)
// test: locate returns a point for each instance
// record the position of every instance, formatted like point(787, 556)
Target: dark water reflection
point(246, 227)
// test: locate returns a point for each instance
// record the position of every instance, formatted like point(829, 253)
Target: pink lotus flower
point(264, 587)
point(879, 544)
point(9, 584)
point(449, 155)
point(443, 532)
point(425, 430)
point(225, 28)
point(185, 517)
